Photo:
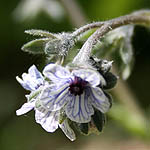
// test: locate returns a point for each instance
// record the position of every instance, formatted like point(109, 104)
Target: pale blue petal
point(67, 130)
point(54, 98)
point(99, 100)
point(79, 109)
point(48, 119)
point(56, 73)
point(31, 80)
point(36, 75)
point(26, 107)
point(24, 84)
point(91, 76)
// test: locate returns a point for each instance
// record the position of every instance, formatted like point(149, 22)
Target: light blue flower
point(32, 81)
point(49, 120)
point(75, 92)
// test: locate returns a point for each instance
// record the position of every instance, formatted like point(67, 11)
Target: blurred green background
point(122, 132)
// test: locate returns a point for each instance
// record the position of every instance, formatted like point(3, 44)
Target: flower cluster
point(62, 95)
point(75, 94)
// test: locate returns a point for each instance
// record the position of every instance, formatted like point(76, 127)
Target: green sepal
point(109, 98)
point(33, 94)
point(111, 80)
point(41, 33)
point(36, 46)
point(98, 120)
point(83, 128)
point(62, 117)
point(38, 104)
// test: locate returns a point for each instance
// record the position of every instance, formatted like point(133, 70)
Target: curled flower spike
point(75, 92)
point(49, 120)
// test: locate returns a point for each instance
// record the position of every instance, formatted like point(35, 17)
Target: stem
point(139, 17)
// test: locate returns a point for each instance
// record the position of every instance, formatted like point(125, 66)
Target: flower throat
point(77, 86)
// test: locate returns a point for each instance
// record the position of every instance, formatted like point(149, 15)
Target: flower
point(33, 82)
point(49, 120)
point(75, 92)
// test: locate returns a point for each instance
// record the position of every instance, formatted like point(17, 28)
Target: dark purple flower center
point(77, 86)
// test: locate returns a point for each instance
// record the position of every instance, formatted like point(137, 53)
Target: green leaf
point(36, 46)
point(86, 35)
point(41, 33)
point(99, 120)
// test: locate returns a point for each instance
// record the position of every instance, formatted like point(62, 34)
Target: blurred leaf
point(36, 46)
point(117, 45)
point(130, 120)
point(29, 9)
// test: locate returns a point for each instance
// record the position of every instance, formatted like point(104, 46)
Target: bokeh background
point(128, 123)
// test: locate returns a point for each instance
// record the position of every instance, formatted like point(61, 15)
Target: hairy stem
point(139, 17)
